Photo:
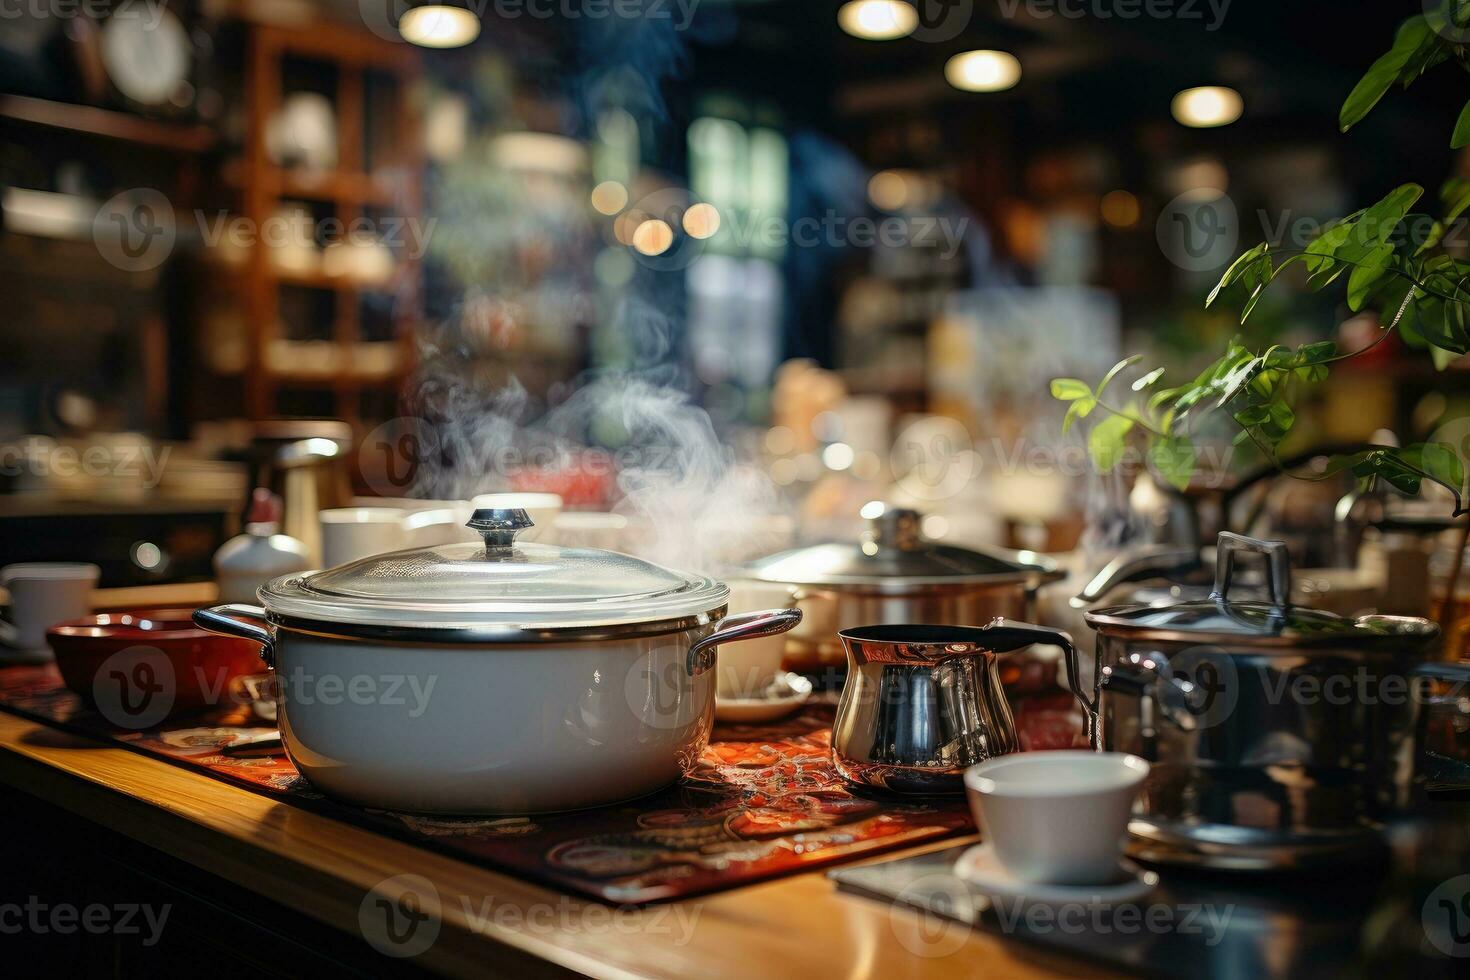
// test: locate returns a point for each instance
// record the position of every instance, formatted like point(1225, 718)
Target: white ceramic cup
point(43, 594)
point(746, 668)
point(1056, 818)
point(350, 533)
point(443, 525)
point(542, 508)
point(590, 529)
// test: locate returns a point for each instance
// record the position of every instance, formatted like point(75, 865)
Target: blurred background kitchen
point(715, 273)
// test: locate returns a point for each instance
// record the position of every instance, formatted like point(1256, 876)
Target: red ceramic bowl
point(141, 667)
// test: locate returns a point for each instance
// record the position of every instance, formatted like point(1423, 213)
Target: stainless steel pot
point(923, 703)
point(503, 677)
point(1279, 736)
point(893, 574)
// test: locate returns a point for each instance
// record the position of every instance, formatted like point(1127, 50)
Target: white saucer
point(980, 867)
point(786, 693)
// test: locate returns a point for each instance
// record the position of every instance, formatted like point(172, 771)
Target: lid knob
point(892, 527)
point(499, 526)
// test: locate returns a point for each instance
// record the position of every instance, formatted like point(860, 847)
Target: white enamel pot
point(513, 678)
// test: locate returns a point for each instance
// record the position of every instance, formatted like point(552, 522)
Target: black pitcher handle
point(1005, 635)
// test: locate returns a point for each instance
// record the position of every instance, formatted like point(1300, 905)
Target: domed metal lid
point(893, 555)
point(499, 583)
point(1274, 623)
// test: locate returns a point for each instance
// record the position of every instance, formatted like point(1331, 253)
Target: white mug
point(1056, 818)
point(43, 594)
point(745, 669)
point(350, 533)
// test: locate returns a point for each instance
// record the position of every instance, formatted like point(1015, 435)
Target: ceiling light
point(878, 20)
point(439, 26)
point(983, 71)
point(1208, 105)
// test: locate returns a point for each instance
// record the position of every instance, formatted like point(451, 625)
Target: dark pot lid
point(893, 555)
point(499, 583)
point(1271, 623)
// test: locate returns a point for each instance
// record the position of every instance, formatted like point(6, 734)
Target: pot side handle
point(746, 626)
point(225, 619)
point(1007, 635)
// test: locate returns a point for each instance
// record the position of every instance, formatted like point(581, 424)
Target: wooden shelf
point(362, 189)
point(321, 280)
point(107, 124)
point(351, 189)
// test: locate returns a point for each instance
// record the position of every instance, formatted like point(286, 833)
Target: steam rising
point(692, 503)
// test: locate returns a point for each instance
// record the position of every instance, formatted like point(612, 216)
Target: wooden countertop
point(798, 926)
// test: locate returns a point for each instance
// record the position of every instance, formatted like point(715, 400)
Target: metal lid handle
point(891, 527)
point(1278, 566)
point(499, 527)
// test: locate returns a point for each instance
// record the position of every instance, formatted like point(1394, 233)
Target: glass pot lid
point(1272, 623)
point(893, 555)
point(501, 582)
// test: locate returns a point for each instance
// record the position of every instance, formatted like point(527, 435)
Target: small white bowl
point(1056, 818)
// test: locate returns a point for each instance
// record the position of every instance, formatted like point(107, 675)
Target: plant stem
point(1296, 253)
point(1137, 419)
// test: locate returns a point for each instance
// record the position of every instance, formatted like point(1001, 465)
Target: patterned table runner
point(763, 801)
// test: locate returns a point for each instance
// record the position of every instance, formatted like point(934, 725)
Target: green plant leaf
point(1438, 461)
point(1115, 370)
point(1461, 135)
point(1107, 440)
point(1406, 469)
point(1378, 223)
point(1237, 269)
point(1078, 409)
point(1069, 389)
point(1173, 459)
point(1148, 379)
point(1366, 274)
point(1253, 415)
point(1324, 350)
point(1385, 71)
